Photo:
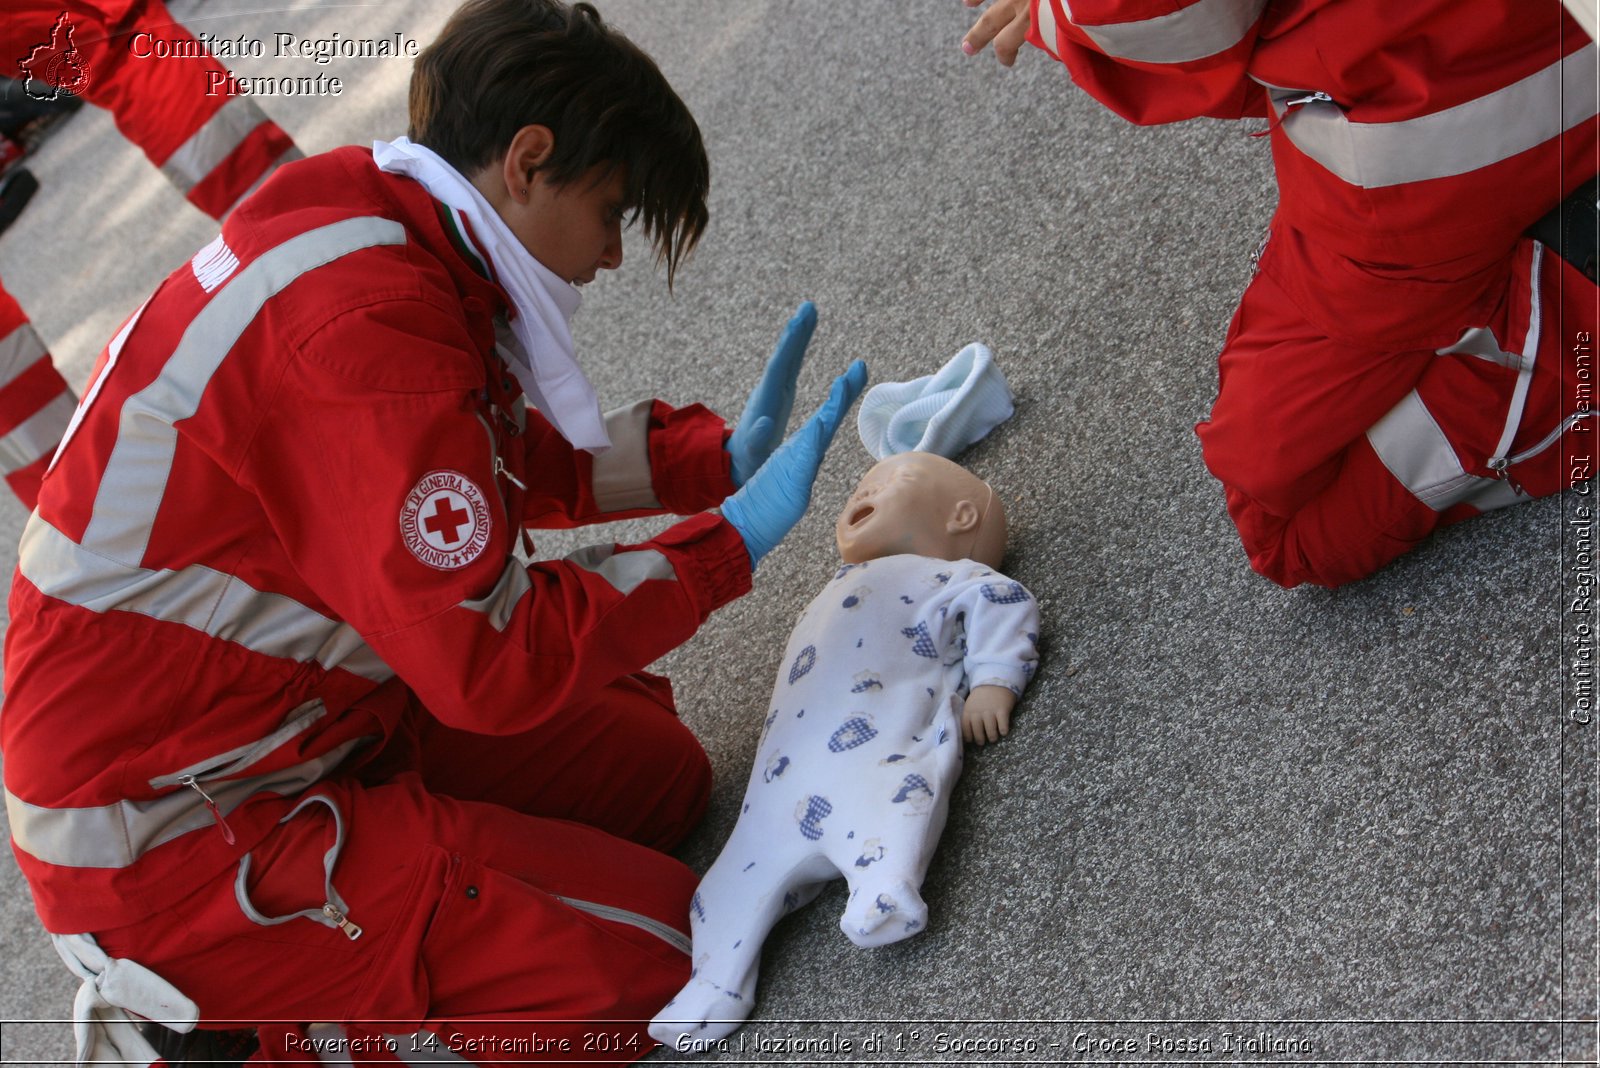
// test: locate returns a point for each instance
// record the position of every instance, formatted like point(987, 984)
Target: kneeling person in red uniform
point(290, 732)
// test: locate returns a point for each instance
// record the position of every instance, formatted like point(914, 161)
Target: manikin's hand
point(777, 495)
point(1005, 23)
point(987, 715)
point(766, 414)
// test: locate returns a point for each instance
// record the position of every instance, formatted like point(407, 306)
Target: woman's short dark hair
point(500, 65)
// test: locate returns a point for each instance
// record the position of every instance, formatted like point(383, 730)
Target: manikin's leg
point(885, 866)
point(758, 878)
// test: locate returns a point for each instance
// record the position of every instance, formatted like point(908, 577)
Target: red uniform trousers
point(1302, 419)
point(508, 889)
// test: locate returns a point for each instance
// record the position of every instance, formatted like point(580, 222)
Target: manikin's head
point(925, 505)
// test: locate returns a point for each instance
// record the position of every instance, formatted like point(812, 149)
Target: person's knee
point(686, 782)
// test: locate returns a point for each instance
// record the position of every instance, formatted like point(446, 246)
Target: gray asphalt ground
point(1349, 827)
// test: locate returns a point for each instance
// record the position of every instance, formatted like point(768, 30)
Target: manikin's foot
point(879, 914)
point(701, 1013)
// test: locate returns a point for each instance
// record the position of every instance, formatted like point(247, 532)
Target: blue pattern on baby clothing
point(857, 730)
point(906, 599)
point(865, 681)
point(1006, 593)
point(885, 904)
point(817, 810)
point(913, 785)
point(698, 907)
point(776, 767)
point(873, 853)
point(803, 663)
point(921, 641)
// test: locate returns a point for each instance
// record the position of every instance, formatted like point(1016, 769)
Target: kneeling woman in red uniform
point(290, 732)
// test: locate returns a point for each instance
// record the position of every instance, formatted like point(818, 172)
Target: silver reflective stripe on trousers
point(116, 835)
point(1202, 29)
point(213, 142)
point(1416, 451)
point(620, 476)
point(1456, 140)
point(212, 602)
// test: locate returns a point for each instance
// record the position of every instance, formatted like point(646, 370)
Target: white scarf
point(545, 304)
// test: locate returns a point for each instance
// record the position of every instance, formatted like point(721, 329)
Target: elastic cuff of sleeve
point(1012, 678)
point(689, 462)
point(713, 550)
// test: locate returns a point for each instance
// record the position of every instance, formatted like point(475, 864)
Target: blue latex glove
point(777, 495)
point(766, 414)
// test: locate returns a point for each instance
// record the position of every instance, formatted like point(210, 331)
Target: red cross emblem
point(445, 520)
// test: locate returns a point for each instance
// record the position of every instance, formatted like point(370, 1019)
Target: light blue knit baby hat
point(943, 413)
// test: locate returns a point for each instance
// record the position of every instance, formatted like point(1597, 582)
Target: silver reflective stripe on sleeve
point(668, 934)
point(38, 435)
point(116, 835)
point(1202, 29)
point(19, 350)
point(140, 465)
point(501, 602)
point(1456, 140)
point(207, 600)
point(625, 571)
point(621, 475)
point(213, 142)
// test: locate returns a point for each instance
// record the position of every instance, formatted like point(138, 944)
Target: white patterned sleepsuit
point(854, 768)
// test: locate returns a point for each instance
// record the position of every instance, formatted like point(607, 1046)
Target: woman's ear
point(964, 518)
point(530, 149)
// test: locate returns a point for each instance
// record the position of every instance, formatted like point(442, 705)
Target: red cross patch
point(445, 520)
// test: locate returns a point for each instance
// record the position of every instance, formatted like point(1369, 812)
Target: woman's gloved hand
point(776, 496)
point(766, 414)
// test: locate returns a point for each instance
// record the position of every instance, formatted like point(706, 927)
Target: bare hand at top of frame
point(1005, 24)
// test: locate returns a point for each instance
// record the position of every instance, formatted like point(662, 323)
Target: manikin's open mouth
point(860, 514)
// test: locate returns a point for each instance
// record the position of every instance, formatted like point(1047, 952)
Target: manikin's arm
point(987, 715)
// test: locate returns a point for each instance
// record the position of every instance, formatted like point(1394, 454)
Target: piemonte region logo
point(56, 67)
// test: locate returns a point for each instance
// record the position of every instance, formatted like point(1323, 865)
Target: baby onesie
point(853, 772)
